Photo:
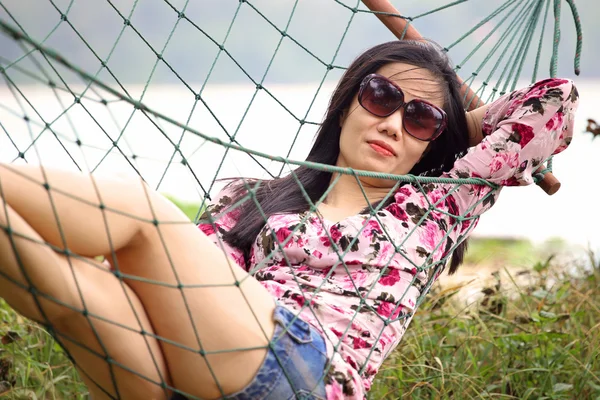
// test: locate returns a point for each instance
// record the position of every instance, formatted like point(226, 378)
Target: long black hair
point(284, 195)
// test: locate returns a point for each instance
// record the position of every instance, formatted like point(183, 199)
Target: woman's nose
point(392, 124)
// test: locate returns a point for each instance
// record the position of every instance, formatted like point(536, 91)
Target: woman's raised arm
point(522, 129)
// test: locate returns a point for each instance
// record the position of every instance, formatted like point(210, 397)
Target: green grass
point(535, 342)
point(192, 210)
point(32, 365)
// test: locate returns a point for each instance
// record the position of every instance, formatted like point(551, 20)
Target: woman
point(345, 276)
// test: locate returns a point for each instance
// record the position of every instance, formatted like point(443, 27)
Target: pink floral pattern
point(358, 280)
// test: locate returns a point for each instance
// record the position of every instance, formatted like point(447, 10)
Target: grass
point(192, 210)
point(538, 341)
point(32, 365)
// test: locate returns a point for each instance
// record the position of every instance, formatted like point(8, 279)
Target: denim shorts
point(294, 367)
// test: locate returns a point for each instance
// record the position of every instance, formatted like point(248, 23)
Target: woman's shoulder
point(225, 199)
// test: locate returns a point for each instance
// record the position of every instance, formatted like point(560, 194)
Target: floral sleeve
point(521, 130)
point(218, 219)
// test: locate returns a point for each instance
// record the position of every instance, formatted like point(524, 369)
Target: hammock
point(76, 112)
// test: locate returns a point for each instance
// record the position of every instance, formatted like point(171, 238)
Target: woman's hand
point(474, 123)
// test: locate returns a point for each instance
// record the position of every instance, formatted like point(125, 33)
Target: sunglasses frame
point(370, 77)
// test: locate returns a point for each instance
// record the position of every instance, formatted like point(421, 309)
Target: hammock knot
point(540, 175)
point(139, 106)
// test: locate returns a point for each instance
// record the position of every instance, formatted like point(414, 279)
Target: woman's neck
point(348, 195)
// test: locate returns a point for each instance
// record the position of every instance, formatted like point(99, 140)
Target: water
point(525, 212)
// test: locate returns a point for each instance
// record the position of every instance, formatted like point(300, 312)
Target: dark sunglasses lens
point(422, 120)
point(380, 97)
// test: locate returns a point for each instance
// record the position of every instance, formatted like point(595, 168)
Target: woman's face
point(381, 144)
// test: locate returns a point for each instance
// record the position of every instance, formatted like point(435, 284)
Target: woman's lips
point(381, 149)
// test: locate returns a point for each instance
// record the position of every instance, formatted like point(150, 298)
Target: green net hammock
point(65, 103)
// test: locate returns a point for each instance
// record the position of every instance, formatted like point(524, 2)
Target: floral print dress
point(359, 281)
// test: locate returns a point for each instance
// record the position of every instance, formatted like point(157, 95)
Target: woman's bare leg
point(87, 339)
point(161, 255)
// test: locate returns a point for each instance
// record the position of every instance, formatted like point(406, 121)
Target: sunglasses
point(381, 97)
